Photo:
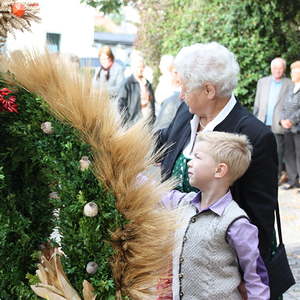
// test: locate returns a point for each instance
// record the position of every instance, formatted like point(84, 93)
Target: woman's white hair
point(136, 59)
point(208, 63)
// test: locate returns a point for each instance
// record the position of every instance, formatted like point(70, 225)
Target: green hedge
point(25, 211)
point(32, 165)
point(255, 30)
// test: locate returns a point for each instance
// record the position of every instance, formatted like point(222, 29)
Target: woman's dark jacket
point(291, 111)
point(256, 190)
point(129, 100)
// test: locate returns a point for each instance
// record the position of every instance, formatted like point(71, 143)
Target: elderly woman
point(136, 98)
point(291, 123)
point(110, 74)
point(208, 74)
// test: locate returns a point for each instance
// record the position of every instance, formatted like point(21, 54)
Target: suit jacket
point(129, 100)
point(167, 111)
point(262, 98)
point(291, 111)
point(256, 190)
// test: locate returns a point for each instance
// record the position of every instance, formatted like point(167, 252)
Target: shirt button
point(184, 239)
point(193, 220)
point(180, 276)
point(181, 259)
point(181, 294)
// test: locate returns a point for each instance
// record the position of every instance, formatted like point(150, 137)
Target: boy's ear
point(221, 170)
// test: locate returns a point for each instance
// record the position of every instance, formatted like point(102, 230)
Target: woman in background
point(110, 74)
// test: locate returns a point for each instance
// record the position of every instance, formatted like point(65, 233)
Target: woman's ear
point(210, 90)
point(221, 170)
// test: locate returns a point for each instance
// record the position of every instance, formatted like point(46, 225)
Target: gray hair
point(208, 63)
point(137, 59)
point(277, 60)
point(167, 60)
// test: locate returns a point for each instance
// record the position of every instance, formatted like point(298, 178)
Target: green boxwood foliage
point(25, 210)
point(32, 165)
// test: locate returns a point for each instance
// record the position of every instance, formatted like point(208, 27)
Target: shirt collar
point(218, 207)
point(276, 81)
point(221, 115)
point(210, 126)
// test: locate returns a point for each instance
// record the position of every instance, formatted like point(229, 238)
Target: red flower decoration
point(18, 9)
point(5, 91)
point(8, 101)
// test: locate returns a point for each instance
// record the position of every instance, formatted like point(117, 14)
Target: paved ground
point(289, 202)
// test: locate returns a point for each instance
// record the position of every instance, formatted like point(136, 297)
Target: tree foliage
point(108, 6)
point(256, 31)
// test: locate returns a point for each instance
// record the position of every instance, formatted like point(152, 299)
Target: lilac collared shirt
point(243, 237)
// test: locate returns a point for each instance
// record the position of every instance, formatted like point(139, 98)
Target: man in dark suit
point(136, 98)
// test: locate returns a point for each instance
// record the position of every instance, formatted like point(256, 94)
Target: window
point(53, 42)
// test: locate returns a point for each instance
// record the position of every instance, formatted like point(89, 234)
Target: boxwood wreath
point(40, 171)
point(116, 242)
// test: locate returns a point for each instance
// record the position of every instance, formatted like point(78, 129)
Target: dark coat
point(291, 111)
point(256, 190)
point(129, 100)
point(167, 112)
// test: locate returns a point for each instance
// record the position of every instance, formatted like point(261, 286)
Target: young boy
point(215, 238)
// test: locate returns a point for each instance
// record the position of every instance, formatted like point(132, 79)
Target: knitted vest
point(204, 264)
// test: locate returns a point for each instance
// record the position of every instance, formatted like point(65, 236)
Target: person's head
point(219, 156)
point(295, 71)
point(278, 66)
point(138, 66)
point(106, 56)
point(206, 71)
point(166, 64)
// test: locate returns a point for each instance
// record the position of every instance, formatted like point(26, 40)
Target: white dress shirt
point(187, 152)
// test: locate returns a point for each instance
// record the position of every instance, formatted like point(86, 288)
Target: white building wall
point(69, 18)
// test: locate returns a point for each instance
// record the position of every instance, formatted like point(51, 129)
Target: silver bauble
point(91, 267)
point(54, 195)
point(84, 163)
point(47, 127)
point(90, 209)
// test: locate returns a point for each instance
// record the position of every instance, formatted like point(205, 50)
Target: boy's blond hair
point(232, 149)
